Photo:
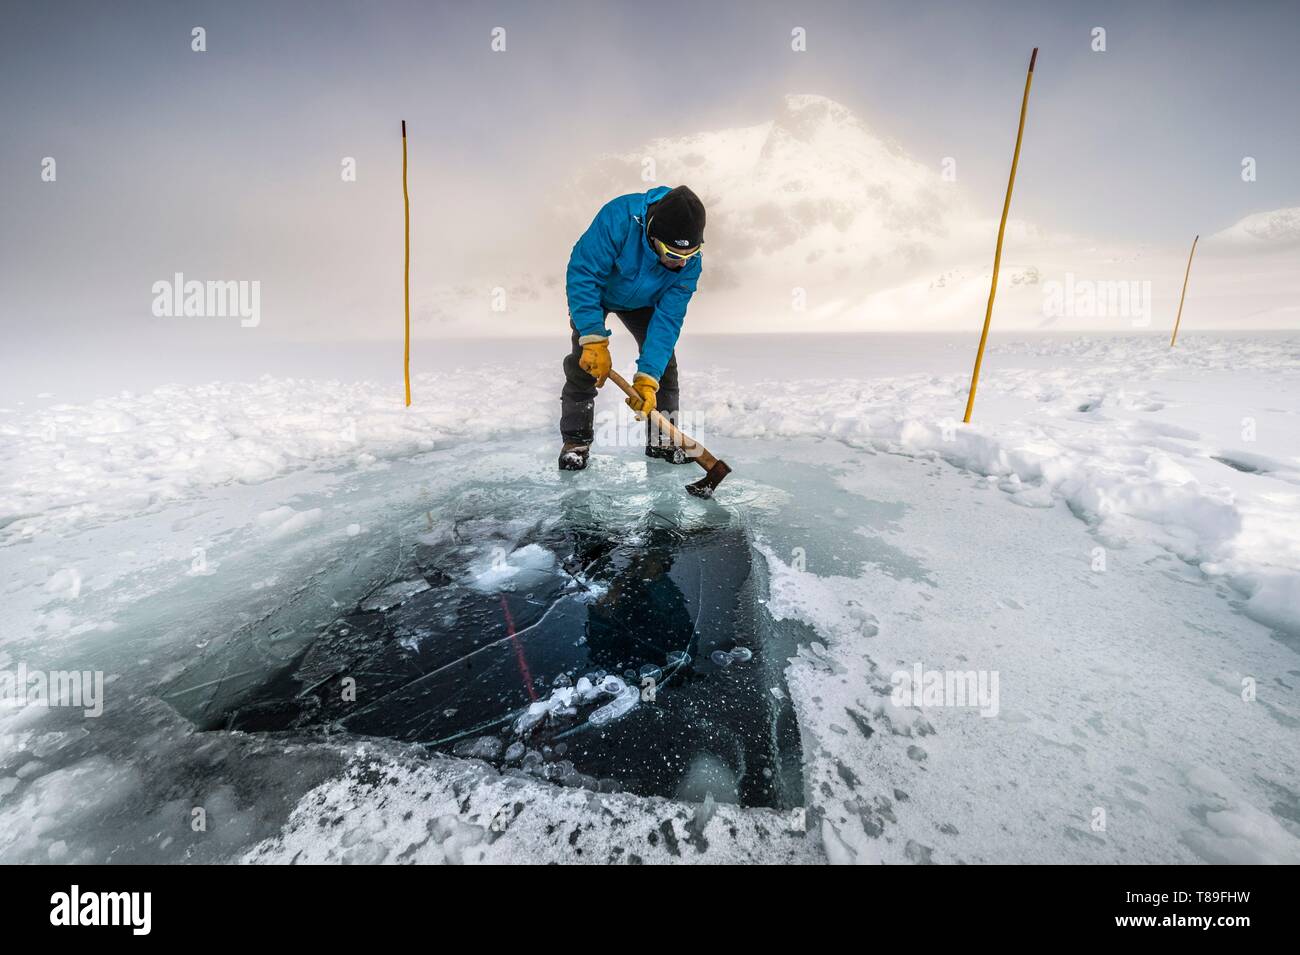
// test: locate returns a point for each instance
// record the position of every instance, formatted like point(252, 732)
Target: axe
point(715, 470)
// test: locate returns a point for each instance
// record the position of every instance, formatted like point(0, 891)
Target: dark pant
point(577, 400)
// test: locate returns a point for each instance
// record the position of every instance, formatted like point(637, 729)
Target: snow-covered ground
point(1114, 544)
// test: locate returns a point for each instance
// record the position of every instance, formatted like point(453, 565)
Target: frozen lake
point(333, 630)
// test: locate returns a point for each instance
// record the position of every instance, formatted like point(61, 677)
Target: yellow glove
point(645, 387)
point(595, 359)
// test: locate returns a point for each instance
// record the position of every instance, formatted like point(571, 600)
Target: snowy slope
point(1277, 229)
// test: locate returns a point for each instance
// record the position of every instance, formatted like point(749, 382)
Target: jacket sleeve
point(666, 324)
point(590, 265)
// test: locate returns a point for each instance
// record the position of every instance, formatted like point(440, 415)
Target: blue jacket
point(613, 269)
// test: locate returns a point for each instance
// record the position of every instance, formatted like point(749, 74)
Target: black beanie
point(677, 220)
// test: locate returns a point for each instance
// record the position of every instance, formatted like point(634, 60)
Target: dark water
point(448, 655)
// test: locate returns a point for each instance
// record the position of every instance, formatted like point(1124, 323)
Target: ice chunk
point(722, 658)
point(561, 702)
point(530, 718)
point(742, 654)
point(561, 698)
point(283, 521)
point(585, 691)
point(496, 570)
point(566, 774)
point(620, 706)
point(394, 594)
point(481, 747)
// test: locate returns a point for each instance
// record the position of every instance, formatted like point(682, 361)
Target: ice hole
point(580, 649)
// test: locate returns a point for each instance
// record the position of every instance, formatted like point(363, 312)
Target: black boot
point(672, 453)
point(573, 457)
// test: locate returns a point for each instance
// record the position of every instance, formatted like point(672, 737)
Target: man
point(640, 259)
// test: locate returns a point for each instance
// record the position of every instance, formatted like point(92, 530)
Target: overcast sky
point(226, 163)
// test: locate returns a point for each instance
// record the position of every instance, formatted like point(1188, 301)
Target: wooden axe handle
point(678, 437)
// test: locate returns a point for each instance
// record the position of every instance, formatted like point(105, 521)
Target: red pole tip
point(403, 129)
point(1033, 57)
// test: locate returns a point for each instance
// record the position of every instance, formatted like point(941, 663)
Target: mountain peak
point(806, 116)
point(1276, 228)
point(813, 184)
point(813, 104)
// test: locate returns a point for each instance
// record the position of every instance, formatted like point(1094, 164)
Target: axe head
point(706, 485)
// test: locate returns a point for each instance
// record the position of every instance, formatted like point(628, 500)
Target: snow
point(1118, 430)
point(1115, 687)
point(1115, 538)
point(72, 465)
point(386, 808)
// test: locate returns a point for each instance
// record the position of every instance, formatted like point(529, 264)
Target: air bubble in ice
point(612, 685)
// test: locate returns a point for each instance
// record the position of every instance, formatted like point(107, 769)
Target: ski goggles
point(671, 253)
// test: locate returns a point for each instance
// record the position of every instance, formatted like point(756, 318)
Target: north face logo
point(681, 243)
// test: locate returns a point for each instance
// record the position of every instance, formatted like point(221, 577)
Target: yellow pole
point(406, 280)
point(1174, 337)
point(1002, 228)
